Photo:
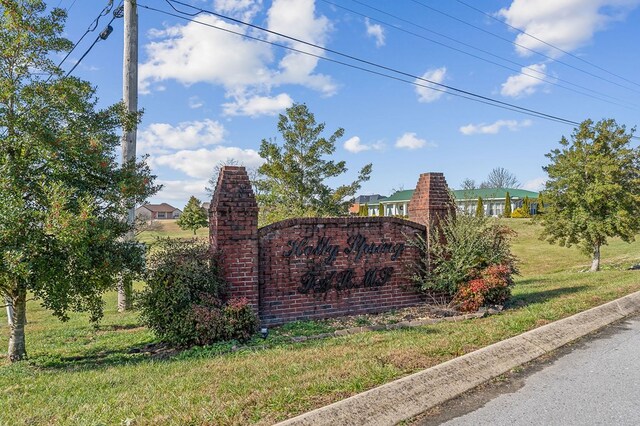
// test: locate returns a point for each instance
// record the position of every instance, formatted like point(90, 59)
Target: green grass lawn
point(78, 375)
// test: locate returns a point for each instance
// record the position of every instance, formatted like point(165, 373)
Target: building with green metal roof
point(493, 199)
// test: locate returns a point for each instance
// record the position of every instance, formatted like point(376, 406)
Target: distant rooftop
point(374, 198)
point(469, 194)
point(163, 207)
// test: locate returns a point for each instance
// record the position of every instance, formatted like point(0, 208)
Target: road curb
point(407, 397)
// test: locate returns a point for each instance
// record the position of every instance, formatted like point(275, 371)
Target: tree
point(62, 193)
point(593, 190)
point(193, 216)
point(507, 205)
point(540, 204)
point(479, 208)
point(500, 178)
point(526, 206)
point(468, 184)
point(292, 182)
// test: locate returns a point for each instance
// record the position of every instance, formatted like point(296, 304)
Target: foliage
point(500, 178)
point(183, 302)
point(540, 201)
point(492, 287)
point(507, 205)
point(363, 210)
point(458, 250)
point(380, 209)
point(479, 208)
point(593, 189)
point(293, 177)
point(193, 216)
point(526, 206)
point(62, 192)
point(520, 213)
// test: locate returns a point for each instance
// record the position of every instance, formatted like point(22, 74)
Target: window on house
point(162, 215)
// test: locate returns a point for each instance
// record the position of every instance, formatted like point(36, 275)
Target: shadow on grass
point(530, 298)
point(106, 358)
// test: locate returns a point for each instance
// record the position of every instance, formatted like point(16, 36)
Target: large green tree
point(593, 190)
point(193, 216)
point(63, 195)
point(293, 179)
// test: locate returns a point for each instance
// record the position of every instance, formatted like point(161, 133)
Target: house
point(354, 209)
point(493, 201)
point(158, 211)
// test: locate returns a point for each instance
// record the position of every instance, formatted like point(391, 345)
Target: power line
point(430, 84)
point(519, 71)
point(117, 13)
point(546, 43)
point(92, 27)
point(520, 45)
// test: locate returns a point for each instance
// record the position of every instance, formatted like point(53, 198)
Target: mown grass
point(78, 375)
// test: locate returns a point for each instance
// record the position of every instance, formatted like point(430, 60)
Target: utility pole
point(130, 97)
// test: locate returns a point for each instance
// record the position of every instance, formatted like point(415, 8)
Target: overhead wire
point(425, 82)
point(549, 79)
point(117, 13)
point(92, 27)
point(546, 43)
point(462, 21)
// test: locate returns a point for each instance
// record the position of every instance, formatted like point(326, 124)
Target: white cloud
point(376, 31)
point(200, 163)
point(244, 10)
point(492, 129)
point(521, 84)
point(194, 53)
point(567, 24)
point(412, 141)
point(181, 190)
point(428, 94)
point(297, 19)
point(161, 137)
point(195, 102)
point(536, 184)
point(258, 105)
point(354, 145)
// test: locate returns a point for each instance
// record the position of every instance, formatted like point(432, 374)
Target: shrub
point(240, 322)
point(183, 302)
point(493, 287)
point(459, 249)
point(520, 213)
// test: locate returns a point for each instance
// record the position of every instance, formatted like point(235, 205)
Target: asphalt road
point(593, 382)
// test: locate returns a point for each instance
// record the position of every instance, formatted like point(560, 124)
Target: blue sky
point(209, 96)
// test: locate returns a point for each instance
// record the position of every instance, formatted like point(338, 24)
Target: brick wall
point(324, 267)
point(233, 232)
point(318, 267)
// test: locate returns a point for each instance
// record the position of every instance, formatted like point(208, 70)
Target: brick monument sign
point(318, 267)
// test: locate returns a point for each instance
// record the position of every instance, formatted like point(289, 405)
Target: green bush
point(459, 249)
point(183, 301)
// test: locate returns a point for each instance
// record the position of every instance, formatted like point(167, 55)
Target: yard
point(117, 374)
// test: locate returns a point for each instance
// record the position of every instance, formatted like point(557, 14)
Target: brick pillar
point(233, 232)
point(431, 200)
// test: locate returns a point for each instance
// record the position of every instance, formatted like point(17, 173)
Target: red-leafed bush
point(492, 287)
